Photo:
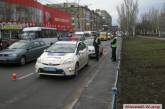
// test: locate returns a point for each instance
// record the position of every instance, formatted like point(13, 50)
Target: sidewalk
point(98, 94)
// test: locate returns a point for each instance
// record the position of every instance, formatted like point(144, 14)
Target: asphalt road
point(31, 92)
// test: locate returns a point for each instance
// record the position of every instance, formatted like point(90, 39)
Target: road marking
point(80, 91)
point(90, 81)
point(73, 104)
point(25, 76)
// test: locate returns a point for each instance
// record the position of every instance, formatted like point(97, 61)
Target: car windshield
point(62, 48)
point(29, 35)
point(87, 35)
point(19, 45)
point(89, 42)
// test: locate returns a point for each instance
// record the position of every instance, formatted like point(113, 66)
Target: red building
point(17, 14)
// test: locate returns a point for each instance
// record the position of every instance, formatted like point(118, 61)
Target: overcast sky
point(110, 5)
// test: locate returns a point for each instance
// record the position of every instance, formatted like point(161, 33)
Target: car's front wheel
point(22, 60)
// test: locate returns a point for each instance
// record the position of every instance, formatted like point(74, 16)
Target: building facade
point(106, 19)
point(18, 14)
point(83, 19)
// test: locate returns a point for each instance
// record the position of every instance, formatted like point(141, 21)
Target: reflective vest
point(97, 41)
point(114, 45)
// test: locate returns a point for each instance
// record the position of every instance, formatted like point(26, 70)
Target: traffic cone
point(14, 76)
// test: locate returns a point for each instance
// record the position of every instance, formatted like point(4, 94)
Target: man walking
point(96, 43)
point(114, 46)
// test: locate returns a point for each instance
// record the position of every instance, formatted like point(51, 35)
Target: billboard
point(27, 13)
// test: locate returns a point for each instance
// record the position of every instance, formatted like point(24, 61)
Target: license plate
point(50, 69)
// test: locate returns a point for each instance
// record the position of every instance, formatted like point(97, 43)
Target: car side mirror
point(45, 50)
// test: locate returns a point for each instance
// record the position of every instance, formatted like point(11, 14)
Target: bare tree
point(128, 12)
point(162, 19)
point(152, 22)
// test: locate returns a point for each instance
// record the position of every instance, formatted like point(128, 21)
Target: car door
point(80, 55)
point(37, 48)
point(42, 47)
point(85, 53)
point(33, 50)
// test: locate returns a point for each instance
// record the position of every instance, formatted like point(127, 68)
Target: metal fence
point(114, 88)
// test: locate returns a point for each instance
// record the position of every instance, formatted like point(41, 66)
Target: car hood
point(11, 51)
point(55, 58)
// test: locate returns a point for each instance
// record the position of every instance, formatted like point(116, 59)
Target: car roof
point(79, 32)
point(36, 28)
point(30, 40)
point(67, 42)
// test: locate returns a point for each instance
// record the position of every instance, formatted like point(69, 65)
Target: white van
point(48, 35)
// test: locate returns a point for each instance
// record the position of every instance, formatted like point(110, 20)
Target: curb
point(114, 88)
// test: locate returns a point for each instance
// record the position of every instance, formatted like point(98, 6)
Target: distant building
point(106, 17)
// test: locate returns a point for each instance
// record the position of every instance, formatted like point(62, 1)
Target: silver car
point(22, 51)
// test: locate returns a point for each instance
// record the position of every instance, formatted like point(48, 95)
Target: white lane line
point(25, 76)
point(73, 104)
point(90, 81)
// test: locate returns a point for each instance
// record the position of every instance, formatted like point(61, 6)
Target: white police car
point(64, 58)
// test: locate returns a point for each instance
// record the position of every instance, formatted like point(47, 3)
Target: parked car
point(4, 43)
point(72, 37)
point(64, 58)
point(103, 36)
point(110, 36)
point(22, 51)
point(91, 49)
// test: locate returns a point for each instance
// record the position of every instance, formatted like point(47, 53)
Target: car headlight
point(38, 60)
point(68, 61)
point(13, 55)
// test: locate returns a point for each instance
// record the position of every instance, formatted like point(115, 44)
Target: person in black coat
point(96, 43)
point(114, 46)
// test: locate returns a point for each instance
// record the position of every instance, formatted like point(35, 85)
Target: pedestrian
point(96, 43)
point(114, 46)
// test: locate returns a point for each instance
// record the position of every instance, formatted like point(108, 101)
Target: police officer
point(114, 46)
point(96, 43)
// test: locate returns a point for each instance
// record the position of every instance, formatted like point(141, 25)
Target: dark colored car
point(22, 51)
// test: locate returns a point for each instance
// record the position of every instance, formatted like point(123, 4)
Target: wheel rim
point(22, 61)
